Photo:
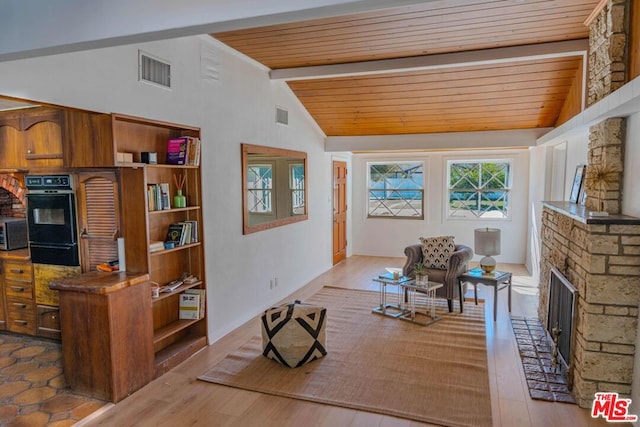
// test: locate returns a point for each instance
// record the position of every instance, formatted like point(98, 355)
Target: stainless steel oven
point(51, 217)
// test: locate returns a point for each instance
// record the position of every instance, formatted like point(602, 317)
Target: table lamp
point(487, 243)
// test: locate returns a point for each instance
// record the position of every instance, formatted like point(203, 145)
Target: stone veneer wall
point(602, 260)
point(608, 50)
point(606, 150)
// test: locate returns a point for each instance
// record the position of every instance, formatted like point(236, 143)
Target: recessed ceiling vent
point(282, 116)
point(153, 70)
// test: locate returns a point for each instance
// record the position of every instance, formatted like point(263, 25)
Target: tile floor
point(33, 391)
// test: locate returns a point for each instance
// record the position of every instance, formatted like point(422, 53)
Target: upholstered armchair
point(458, 263)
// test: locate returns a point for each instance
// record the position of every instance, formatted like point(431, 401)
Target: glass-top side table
point(428, 290)
point(498, 279)
point(391, 309)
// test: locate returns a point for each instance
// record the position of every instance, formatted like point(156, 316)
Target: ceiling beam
point(31, 28)
point(436, 141)
point(437, 61)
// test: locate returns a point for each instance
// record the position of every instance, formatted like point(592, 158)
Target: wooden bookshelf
point(174, 339)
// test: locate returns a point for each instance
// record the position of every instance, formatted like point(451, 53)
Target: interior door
point(339, 211)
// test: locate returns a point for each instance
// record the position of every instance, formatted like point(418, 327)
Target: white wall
point(631, 183)
point(389, 237)
point(238, 107)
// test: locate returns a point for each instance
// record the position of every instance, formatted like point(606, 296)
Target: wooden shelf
point(174, 210)
point(178, 352)
point(177, 248)
point(177, 291)
point(172, 328)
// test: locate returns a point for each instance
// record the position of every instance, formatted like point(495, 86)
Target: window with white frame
point(479, 189)
point(396, 190)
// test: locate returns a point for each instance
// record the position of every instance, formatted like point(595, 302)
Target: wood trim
point(595, 12)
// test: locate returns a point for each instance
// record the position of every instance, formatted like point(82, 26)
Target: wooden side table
point(498, 279)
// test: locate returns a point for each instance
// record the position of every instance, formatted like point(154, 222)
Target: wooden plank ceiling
point(524, 93)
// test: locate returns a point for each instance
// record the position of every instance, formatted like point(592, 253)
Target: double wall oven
point(51, 217)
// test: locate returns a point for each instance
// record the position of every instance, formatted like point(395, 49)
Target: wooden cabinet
point(19, 298)
point(47, 137)
point(174, 339)
point(49, 322)
point(107, 350)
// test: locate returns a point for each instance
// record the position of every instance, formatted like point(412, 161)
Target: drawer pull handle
point(17, 271)
point(18, 288)
point(20, 322)
point(19, 304)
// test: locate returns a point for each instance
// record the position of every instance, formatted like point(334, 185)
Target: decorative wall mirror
point(274, 190)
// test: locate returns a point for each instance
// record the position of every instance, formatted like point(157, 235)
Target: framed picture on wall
point(578, 182)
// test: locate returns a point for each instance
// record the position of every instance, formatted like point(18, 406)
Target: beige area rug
point(436, 374)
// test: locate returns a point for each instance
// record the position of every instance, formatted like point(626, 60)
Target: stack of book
point(183, 151)
point(182, 233)
point(158, 197)
point(156, 246)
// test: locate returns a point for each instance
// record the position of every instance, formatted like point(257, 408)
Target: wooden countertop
point(16, 255)
point(97, 282)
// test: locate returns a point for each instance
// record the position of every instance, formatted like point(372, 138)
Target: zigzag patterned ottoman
point(294, 334)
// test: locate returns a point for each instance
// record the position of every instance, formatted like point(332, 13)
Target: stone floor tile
point(36, 419)
point(20, 368)
point(28, 351)
point(33, 395)
point(6, 361)
point(10, 389)
point(7, 412)
point(43, 374)
point(61, 423)
point(62, 402)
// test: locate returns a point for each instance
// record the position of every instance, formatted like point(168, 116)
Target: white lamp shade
point(487, 241)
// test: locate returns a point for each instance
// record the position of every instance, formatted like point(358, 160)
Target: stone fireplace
point(601, 258)
point(12, 196)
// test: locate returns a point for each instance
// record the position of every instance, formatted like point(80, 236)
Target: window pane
point(479, 189)
point(396, 190)
point(296, 186)
point(259, 188)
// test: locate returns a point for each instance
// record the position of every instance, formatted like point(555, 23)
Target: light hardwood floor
point(179, 399)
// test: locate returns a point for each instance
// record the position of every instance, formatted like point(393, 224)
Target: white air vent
point(282, 116)
point(153, 70)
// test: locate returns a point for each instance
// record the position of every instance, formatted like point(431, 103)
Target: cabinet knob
point(21, 305)
point(17, 271)
point(20, 322)
point(29, 151)
point(17, 288)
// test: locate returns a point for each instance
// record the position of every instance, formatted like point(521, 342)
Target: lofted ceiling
point(431, 67)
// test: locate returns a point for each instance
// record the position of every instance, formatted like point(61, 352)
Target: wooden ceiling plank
point(399, 18)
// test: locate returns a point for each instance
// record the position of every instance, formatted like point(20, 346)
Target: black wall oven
point(51, 217)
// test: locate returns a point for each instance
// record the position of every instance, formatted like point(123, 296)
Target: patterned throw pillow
point(436, 251)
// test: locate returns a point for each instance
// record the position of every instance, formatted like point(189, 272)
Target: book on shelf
point(177, 151)
point(202, 294)
point(164, 196)
point(158, 197)
point(174, 233)
point(182, 233)
point(193, 151)
point(156, 246)
point(189, 306)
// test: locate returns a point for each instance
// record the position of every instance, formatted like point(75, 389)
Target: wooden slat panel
point(433, 27)
point(99, 220)
point(518, 95)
